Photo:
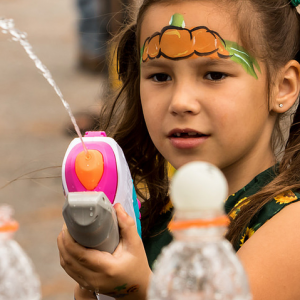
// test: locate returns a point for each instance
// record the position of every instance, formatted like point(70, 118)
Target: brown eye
point(161, 77)
point(215, 76)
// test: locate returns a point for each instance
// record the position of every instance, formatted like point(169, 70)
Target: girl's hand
point(125, 273)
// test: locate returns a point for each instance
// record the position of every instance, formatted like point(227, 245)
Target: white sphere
point(199, 186)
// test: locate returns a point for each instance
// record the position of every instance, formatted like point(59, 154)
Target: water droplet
point(8, 26)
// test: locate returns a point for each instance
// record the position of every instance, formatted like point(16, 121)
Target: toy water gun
point(93, 181)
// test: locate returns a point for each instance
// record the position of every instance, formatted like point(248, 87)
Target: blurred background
point(35, 129)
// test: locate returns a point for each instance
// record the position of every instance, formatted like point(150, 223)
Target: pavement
point(32, 128)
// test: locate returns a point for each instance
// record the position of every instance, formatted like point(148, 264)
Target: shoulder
point(271, 257)
point(266, 212)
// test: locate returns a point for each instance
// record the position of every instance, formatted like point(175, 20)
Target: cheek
point(153, 107)
point(150, 112)
point(151, 117)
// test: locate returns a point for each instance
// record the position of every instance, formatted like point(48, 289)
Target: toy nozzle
point(89, 168)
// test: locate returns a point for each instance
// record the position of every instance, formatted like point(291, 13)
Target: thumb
point(128, 230)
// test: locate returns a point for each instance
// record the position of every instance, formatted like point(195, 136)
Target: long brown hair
point(268, 29)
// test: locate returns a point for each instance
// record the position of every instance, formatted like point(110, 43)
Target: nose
point(184, 99)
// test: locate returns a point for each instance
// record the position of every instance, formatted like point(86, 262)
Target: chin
point(181, 162)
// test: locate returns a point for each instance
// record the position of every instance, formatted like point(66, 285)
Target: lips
point(186, 138)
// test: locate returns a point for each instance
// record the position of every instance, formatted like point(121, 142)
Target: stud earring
point(280, 105)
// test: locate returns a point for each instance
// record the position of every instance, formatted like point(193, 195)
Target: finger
point(61, 247)
point(62, 244)
point(68, 260)
point(128, 230)
point(77, 256)
point(71, 250)
point(63, 237)
point(88, 280)
point(64, 227)
point(75, 275)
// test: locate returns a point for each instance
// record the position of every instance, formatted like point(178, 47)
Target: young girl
point(215, 81)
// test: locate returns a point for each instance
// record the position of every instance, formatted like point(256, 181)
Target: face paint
point(240, 56)
point(176, 42)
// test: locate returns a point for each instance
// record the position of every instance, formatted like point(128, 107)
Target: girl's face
point(200, 102)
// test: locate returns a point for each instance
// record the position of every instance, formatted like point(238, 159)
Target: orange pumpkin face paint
point(208, 43)
point(152, 49)
point(176, 42)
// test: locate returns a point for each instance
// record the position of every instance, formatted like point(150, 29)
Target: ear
point(287, 87)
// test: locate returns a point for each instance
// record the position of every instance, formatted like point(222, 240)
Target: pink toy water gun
point(93, 181)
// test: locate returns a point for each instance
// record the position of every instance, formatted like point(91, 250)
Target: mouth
point(187, 138)
point(185, 133)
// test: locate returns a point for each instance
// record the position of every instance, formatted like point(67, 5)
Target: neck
point(242, 172)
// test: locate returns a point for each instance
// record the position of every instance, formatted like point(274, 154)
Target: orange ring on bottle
point(10, 227)
point(181, 225)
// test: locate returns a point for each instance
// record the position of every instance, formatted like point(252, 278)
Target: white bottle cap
point(199, 186)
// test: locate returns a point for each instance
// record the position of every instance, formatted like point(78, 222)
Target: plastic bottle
point(199, 263)
point(17, 277)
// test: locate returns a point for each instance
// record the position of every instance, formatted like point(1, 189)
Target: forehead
point(195, 13)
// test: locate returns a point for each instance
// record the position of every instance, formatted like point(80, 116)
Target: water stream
point(8, 27)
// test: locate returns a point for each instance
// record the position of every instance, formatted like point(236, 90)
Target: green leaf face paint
point(177, 20)
point(176, 42)
point(240, 56)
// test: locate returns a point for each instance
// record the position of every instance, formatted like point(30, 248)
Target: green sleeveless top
point(160, 235)
point(267, 211)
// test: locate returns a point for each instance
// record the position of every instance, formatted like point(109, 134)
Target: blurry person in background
point(98, 22)
point(93, 35)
